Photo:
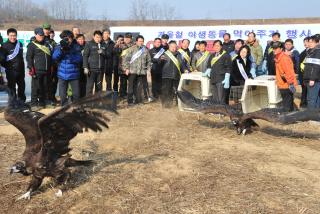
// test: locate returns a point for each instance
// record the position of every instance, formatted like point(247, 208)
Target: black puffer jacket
point(312, 65)
point(92, 60)
point(169, 69)
point(37, 58)
point(17, 63)
point(109, 56)
point(220, 68)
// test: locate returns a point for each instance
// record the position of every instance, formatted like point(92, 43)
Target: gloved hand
point(207, 73)
point(292, 88)
point(86, 71)
point(253, 72)
point(100, 51)
point(226, 81)
point(32, 72)
point(264, 66)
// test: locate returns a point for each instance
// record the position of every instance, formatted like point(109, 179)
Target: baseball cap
point(46, 26)
point(275, 45)
point(39, 31)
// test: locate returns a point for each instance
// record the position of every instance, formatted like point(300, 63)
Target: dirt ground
point(154, 160)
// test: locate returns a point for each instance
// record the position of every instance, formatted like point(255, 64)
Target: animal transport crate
point(261, 92)
point(197, 85)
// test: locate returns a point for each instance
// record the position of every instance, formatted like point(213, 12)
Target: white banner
point(296, 32)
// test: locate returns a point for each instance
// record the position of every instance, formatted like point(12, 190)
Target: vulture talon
point(26, 196)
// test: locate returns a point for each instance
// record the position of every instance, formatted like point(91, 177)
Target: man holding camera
point(94, 56)
point(68, 56)
point(39, 64)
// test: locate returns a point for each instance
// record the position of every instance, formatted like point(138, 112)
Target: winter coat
point(204, 65)
point(236, 76)
point(269, 56)
point(169, 69)
point(229, 47)
point(139, 66)
point(312, 65)
point(295, 56)
point(256, 52)
point(156, 67)
point(93, 60)
point(109, 56)
point(120, 53)
point(68, 61)
point(37, 58)
point(17, 63)
point(186, 66)
point(285, 75)
point(220, 68)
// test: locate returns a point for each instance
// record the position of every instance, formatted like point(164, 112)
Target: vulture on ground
point(48, 136)
point(244, 122)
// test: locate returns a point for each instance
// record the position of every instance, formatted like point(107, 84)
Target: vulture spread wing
point(281, 117)
point(59, 127)
point(208, 106)
point(18, 114)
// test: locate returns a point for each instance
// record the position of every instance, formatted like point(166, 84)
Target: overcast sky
point(211, 9)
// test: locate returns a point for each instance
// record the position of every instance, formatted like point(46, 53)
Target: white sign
point(296, 32)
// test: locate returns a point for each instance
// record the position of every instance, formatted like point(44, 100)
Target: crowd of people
point(77, 67)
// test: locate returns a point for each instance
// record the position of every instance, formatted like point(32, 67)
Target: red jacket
point(285, 74)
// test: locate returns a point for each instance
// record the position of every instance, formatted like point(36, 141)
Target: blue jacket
point(68, 61)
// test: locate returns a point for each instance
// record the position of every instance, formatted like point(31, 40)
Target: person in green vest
point(39, 64)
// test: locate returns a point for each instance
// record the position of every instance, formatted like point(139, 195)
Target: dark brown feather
point(48, 137)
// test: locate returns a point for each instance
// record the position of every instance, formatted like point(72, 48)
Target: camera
point(65, 43)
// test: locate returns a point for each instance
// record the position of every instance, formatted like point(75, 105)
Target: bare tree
point(139, 10)
point(67, 9)
point(143, 10)
point(20, 9)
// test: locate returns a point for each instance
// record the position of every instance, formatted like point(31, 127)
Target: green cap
point(46, 26)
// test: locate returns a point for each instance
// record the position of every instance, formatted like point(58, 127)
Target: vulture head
point(19, 167)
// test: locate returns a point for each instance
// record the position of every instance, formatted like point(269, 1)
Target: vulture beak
point(13, 170)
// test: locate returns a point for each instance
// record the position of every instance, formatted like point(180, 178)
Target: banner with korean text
point(296, 32)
